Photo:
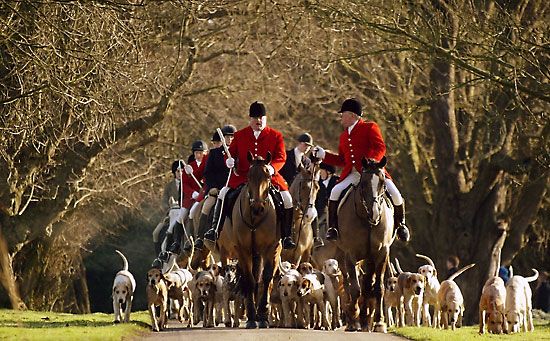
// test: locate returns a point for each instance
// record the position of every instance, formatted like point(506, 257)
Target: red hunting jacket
point(189, 185)
point(365, 140)
point(269, 140)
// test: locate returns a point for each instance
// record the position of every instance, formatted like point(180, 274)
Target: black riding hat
point(306, 138)
point(175, 165)
point(257, 109)
point(353, 105)
point(199, 145)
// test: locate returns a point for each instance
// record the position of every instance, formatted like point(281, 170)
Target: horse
point(303, 190)
point(256, 238)
point(366, 234)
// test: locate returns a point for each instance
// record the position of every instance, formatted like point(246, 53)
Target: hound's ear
point(196, 276)
point(435, 272)
point(408, 282)
point(268, 158)
point(504, 323)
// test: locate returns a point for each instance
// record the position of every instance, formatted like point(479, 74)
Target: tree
point(475, 123)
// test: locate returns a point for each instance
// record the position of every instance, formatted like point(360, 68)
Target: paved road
point(176, 331)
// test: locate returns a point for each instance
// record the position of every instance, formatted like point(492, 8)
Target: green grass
point(36, 325)
point(542, 332)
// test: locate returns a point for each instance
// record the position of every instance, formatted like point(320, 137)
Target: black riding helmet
point(199, 146)
point(175, 165)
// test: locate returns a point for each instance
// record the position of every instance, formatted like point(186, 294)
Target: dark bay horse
point(366, 224)
point(303, 190)
point(256, 238)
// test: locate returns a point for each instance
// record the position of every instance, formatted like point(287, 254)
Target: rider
point(190, 193)
point(327, 181)
point(359, 139)
point(215, 176)
point(259, 139)
point(296, 157)
point(171, 190)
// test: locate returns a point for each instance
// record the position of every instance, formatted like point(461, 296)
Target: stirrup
point(163, 256)
point(332, 234)
point(317, 242)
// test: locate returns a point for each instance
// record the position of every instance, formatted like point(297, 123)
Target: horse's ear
point(382, 162)
point(364, 162)
point(249, 157)
point(268, 158)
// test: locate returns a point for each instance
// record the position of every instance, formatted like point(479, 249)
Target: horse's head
point(372, 187)
point(259, 181)
point(307, 185)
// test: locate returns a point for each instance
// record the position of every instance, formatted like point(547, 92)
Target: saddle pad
point(344, 196)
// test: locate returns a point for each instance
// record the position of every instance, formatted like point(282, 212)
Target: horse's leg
point(267, 280)
point(379, 323)
point(352, 288)
point(367, 295)
point(247, 288)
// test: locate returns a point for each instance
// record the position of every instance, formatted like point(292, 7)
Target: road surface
point(177, 331)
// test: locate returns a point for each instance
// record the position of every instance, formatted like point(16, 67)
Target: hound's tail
point(456, 274)
point(534, 277)
point(125, 267)
point(399, 271)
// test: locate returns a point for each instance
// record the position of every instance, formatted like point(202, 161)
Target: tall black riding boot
point(332, 232)
point(286, 229)
point(157, 247)
point(317, 241)
point(203, 223)
point(402, 230)
point(178, 233)
point(217, 222)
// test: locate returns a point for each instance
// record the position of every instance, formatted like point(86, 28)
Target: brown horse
point(366, 226)
point(256, 237)
point(303, 190)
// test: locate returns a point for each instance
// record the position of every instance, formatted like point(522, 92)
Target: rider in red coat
point(259, 139)
point(359, 139)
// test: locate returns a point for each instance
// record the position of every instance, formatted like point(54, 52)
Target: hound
point(392, 298)
point(410, 286)
point(493, 296)
point(334, 289)
point(124, 286)
point(157, 296)
point(231, 292)
point(451, 301)
point(177, 282)
point(203, 292)
point(215, 270)
point(311, 293)
point(290, 300)
point(430, 293)
point(518, 302)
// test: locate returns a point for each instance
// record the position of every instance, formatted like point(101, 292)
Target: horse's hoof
point(117, 321)
point(380, 327)
point(350, 328)
point(228, 324)
point(262, 324)
point(251, 324)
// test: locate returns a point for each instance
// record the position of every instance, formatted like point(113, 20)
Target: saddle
point(347, 191)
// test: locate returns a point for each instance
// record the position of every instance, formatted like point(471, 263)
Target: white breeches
point(208, 203)
point(354, 177)
point(193, 213)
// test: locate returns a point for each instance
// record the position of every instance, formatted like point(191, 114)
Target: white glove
point(311, 213)
point(195, 195)
point(188, 169)
point(319, 152)
point(270, 169)
point(230, 162)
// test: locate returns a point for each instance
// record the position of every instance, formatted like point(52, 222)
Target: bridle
point(378, 198)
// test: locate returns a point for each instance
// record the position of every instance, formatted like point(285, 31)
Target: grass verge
point(542, 332)
point(36, 325)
